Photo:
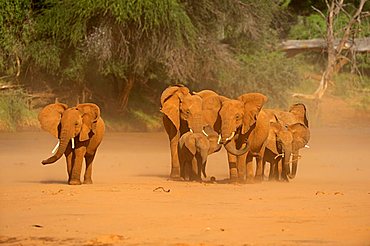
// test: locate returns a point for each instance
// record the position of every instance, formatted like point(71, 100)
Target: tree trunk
point(126, 90)
point(335, 58)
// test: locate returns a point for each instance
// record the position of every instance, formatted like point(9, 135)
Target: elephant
point(280, 148)
point(79, 130)
point(290, 131)
point(194, 149)
point(244, 129)
point(182, 112)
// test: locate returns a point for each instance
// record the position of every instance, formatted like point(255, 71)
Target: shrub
point(14, 112)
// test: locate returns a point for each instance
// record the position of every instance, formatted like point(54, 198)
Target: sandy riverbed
point(328, 203)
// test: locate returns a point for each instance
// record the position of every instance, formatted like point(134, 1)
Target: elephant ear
point(275, 127)
point(299, 110)
point(301, 135)
point(170, 103)
point(253, 103)
point(90, 114)
point(211, 107)
point(50, 116)
point(189, 143)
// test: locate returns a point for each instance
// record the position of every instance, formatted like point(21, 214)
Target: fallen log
point(319, 45)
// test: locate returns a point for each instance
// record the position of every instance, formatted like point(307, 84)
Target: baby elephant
point(194, 149)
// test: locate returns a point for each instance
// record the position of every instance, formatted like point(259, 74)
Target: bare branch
point(348, 28)
point(319, 11)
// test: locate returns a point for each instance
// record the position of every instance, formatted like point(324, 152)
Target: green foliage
point(15, 32)
point(14, 112)
point(96, 46)
point(312, 26)
point(270, 73)
point(44, 55)
point(354, 89)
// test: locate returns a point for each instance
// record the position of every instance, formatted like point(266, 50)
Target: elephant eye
point(237, 117)
point(187, 111)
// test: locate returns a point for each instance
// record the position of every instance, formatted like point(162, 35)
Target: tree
point(16, 28)
point(337, 55)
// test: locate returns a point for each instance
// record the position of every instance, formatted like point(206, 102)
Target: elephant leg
point(264, 167)
point(259, 164)
point(279, 168)
point(273, 171)
point(200, 162)
point(232, 167)
point(241, 166)
point(194, 168)
point(249, 166)
point(182, 163)
point(175, 164)
point(88, 172)
point(259, 169)
point(76, 169)
point(174, 136)
point(295, 157)
point(69, 159)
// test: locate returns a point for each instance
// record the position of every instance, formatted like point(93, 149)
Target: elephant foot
point(88, 181)
point(258, 178)
point(177, 179)
point(233, 180)
point(74, 182)
point(175, 173)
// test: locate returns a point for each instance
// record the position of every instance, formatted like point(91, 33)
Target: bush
point(14, 112)
point(269, 73)
point(354, 89)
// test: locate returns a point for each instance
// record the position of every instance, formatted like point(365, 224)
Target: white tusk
point(306, 146)
point(231, 136)
point(219, 139)
point(191, 130)
point(277, 156)
point(73, 142)
point(204, 132)
point(56, 147)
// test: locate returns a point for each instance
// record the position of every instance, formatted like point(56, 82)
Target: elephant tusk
point(307, 146)
point(219, 139)
point(277, 156)
point(296, 159)
point(191, 130)
point(204, 132)
point(56, 147)
point(231, 136)
point(73, 142)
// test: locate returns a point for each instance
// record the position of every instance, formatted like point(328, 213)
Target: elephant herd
point(198, 124)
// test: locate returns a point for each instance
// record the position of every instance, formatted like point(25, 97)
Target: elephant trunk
point(196, 124)
point(231, 148)
point(286, 165)
point(64, 140)
point(294, 165)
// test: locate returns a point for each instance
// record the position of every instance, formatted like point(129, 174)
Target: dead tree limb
point(334, 52)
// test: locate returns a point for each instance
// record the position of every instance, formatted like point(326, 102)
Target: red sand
point(328, 203)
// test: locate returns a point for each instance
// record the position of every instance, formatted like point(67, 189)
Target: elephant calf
point(194, 149)
point(79, 130)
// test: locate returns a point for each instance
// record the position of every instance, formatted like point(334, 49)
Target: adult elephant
point(182, 112)
point(79, 130)
point(244, 129)
point(296, 122)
